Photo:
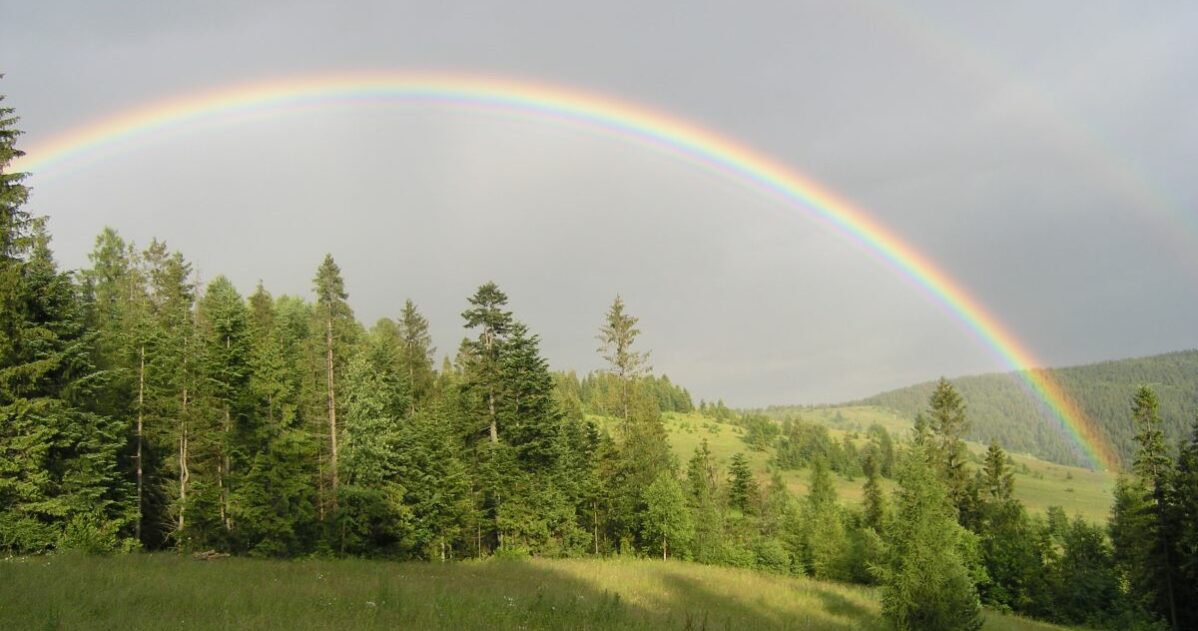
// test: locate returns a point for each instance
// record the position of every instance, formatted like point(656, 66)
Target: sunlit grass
point(1079, 491)
point(158, 591)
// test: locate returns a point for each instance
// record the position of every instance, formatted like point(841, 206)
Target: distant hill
point(999, 406)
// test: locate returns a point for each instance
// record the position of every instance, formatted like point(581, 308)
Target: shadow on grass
point(826, 610)
point(154, 591)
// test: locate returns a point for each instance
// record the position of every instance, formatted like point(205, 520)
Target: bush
point(85, 534)
point(772, 556)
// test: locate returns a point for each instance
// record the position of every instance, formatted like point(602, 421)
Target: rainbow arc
point(620, 118)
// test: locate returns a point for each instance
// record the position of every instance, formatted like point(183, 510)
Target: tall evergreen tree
point(172, 375)
point(616, 338)
point(225, 330)
point(927, 583)
point(60, 482)
point(946, 417)
point(417, 352)
point(1154, 468)
point(1184, 520)
point(487, 314)
point(742, 486)
point(336, 321)
point(875, 501)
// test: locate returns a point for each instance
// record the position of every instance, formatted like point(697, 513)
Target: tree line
point(141, 411)
point(1006, 413)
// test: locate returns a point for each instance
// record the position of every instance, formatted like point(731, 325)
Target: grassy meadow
point(159, 591)
point(1038, 484)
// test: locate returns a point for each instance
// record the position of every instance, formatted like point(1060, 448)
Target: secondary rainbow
point(628, 121)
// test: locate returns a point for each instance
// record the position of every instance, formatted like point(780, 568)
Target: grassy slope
point(168, 591)
point(1079, 491)
point(1000, 406)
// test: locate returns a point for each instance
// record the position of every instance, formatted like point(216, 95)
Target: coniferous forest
point(141, 411)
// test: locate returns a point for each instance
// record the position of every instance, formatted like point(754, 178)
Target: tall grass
point(167, 591)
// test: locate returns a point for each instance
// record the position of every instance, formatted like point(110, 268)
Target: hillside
point(1038, 484)
point(155, 591)
point(1000, 407)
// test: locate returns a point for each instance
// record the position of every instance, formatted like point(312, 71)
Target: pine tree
point(742, 486)
point(875, 501)
point(486, 313)
point(116, 286)
point(336, 321)
point(370, 513)
point(824, 542)
point(998, 481)
point(946, 417)
point(275, 503)
point(417, 352)
point(1184, 518)
point(928, 583)
point(527, 407)
point(1154, 469)
point(171, 376)
point(616, 338)
point(225, 331)
point(702, 488)
point(60, 482)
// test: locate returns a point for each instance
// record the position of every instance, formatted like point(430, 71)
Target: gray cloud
point(1043, 154)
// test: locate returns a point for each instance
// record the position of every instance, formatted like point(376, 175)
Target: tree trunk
point(328, 341)
point(494, 425)
point(141, 400)
point(184, 473)
point(595, 519)
point(665, 547)
point(226, 471)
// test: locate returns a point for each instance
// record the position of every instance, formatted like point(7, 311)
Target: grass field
point(161, 591)
point(1038, 484)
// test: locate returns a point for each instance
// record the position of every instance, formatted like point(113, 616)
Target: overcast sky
point(1044, 154)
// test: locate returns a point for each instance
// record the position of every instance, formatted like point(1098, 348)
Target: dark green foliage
point(137, 412)
point(802, 443)
point(416, 353)
point(742, 486)
point(946, 419)
point(875, 503)
point(61, 483)
point(666, 521)
point(1183, 521)
point(1002, 409)
point(1143, 530)
point(930, 577)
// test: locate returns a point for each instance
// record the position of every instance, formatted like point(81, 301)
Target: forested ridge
point(141, 410)
point(1002, 408)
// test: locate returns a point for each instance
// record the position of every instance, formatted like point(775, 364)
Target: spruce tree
point(60, 479)
point(336, 323)
point(1184, 518)
point(417, 352)
point(616, 338)
point(946, 418)
point(927, 583)
point(225, 331)
point(493, 322)
point(1155, 577)
point(172, 376)
point(875, 501)
point(742, 486)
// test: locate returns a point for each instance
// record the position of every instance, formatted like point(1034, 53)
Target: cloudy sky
point(1043, 154)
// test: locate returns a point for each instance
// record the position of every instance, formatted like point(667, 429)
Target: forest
point(1003, 410)
point(143, 412)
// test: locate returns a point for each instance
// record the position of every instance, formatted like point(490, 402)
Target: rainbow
point(619, 118)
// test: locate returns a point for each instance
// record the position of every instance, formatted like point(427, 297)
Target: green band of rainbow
point(617, 117)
